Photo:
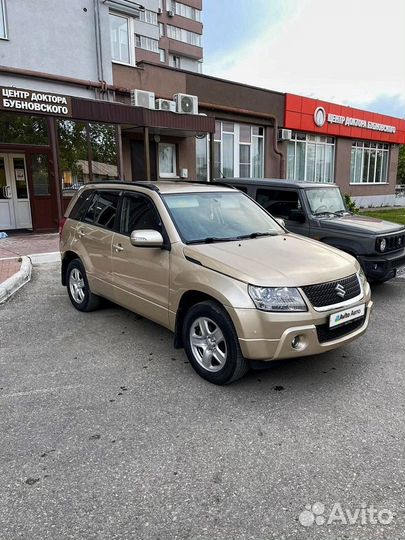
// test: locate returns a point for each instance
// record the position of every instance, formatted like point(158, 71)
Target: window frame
point(365, 148)
point(183, 35)
point(174, 160)
point(307, 140)
point(145, 41)
point(237, 143)
point(131, 39)
point(3, 17)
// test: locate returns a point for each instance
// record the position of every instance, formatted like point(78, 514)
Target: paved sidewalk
point(18, 252)
point(9, 267)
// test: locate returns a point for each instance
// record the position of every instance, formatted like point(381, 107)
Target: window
point(22, 129)
point(162, 55)
point(3, 27)
point(186, 11)
point(138, 213)
point(279, 202)
point(202, 158)
point(238, 150)
point(311, 158)
point(121, 41)
point(167, 160)
point(103, 209)
point(147, 43)
point(87, 152)
point(161, 29)
point(40, 174)
point(148, 16)
point(175, 61)
point(369, 163)
point(81, 205)
point(180, 34)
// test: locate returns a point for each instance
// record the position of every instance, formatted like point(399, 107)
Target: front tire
point(78, 287)
point(211, 344)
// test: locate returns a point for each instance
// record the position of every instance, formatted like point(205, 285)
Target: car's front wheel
point(78, 287)
point(211, 344)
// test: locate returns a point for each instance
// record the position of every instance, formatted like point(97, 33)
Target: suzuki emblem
point(340, 290)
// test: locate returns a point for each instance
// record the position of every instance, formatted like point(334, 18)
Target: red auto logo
point(320, 116)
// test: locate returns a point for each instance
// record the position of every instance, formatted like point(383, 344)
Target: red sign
point(313, 115)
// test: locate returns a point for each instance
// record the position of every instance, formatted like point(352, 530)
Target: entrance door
point(15, 210)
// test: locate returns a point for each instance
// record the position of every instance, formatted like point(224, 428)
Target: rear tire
point(211, 344)
point(78, 287)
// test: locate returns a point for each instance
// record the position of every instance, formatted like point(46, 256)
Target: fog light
point(298, 343)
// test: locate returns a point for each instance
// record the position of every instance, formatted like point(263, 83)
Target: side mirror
point(280, 221)
point(297, 215)
point(146, 238)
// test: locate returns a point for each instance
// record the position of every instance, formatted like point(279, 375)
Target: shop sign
point(320, 117)
point(33, 101)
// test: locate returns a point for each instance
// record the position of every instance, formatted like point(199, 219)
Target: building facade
point(68, 113)
point(165, 32)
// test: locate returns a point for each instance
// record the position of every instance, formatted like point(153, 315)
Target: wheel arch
point(68, 257)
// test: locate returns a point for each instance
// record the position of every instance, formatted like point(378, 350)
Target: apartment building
point(164, 32)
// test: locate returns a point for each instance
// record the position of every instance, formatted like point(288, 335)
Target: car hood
point(362, 224)
point(285, 260)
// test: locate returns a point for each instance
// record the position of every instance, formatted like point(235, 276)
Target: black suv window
point(138, 212)
point(279, 202)
point(80, 205)
point(103, 209)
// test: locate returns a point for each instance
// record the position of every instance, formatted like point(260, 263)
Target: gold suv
point(210, 264)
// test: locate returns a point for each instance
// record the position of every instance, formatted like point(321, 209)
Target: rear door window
point(102, 210)
point(279, 202)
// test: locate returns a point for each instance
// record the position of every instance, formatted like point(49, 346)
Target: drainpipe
point(99, 47)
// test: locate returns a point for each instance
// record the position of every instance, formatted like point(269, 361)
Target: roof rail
point(200, 182)
point(145, 184)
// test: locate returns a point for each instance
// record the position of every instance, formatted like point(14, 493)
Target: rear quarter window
point(81, 205)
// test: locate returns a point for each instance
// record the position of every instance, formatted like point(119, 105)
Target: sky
point(350, 52)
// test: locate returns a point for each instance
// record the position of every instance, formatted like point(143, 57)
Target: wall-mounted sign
point(33, 101)
point(311, 115)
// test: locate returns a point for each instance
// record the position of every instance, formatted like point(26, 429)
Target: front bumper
point(268, 336)
point(382, 267)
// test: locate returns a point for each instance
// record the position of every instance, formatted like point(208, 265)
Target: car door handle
point(7, 192)
point(118, 247)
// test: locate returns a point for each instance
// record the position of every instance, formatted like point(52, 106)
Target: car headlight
point(277, 298)
point(381, 244)
point(362, 277)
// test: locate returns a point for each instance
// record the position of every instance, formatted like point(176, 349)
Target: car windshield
point(326, 200)
point(219, 217)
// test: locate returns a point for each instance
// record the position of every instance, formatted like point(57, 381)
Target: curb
point(15, 282)
point(42, 258)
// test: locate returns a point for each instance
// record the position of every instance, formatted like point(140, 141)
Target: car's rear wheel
point(78, 287)
point(211, 344)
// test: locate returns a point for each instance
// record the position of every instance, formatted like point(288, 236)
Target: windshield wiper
point(255, 235)
point(211, 240)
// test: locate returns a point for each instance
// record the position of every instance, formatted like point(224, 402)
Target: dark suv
point(319, 211)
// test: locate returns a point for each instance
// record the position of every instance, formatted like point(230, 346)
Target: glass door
point(15, 210)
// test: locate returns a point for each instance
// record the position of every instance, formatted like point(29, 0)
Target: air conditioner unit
point(186, 104)
point(165, 105)
point(170, 13)
point(159, 11)
point(284, 134)
point(142, 98)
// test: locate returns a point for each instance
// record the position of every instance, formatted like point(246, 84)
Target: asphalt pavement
point(107, 432)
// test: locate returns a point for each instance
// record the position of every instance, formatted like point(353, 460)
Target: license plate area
point(346, 315)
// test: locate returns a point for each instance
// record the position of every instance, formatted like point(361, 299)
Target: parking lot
point(109, 433)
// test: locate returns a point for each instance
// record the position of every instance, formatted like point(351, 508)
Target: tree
point(401, 165)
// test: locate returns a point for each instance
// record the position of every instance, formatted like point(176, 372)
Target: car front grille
point(394, 242)
point(326, 334)
point(325, 294)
